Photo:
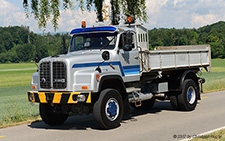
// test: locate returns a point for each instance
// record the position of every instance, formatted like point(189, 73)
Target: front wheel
point(187, 100)
point(108, 110)
point(49, 116)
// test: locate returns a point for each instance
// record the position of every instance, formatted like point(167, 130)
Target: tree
point(43, 9)
point(135, 8)
point(25, 52)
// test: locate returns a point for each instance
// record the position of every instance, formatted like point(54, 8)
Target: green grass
point(215, 80)
point(17, 66)
point(14, 106)
point(12, 75)
point(14, 85)
point(15, 78)
point(215, 136)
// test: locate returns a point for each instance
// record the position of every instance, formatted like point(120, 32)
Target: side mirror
point(64, 45)
point(65, 51)
point(37, 58)
point(105, 55)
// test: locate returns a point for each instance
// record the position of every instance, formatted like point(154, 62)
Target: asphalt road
point(160, 123)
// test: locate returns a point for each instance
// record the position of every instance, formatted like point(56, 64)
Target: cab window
point(122, 41)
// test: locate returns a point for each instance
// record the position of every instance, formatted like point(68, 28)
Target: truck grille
point(59, 75)
point(56, 80)
point(45, 75)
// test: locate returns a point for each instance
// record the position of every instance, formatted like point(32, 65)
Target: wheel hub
point(191, 95)
point(112, 109)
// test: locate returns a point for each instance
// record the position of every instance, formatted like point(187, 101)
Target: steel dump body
point(176, 57)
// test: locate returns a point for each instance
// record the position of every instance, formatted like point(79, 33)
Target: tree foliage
point(211, 34)
point(44, 9)
point(19, 44)
point(135, 8)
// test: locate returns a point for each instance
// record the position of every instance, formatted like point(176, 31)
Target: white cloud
point(161, 13)
point(72, 19)
point(4, 6)
point(201, 20)
point(184, 13)
point(14, 16)
point(154, 6)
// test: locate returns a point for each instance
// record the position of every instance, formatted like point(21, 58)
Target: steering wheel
point(79, 46)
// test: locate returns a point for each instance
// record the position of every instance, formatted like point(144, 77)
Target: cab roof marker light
point(129, 19)
point(83, 24)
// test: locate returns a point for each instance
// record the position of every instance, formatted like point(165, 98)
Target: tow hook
point(137, 103)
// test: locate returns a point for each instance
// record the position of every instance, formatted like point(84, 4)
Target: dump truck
point(109, 69)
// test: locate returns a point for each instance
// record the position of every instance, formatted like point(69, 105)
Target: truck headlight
point(79, 98)
point(31, 97)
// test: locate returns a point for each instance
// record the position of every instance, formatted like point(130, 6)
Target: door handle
point(135, 57)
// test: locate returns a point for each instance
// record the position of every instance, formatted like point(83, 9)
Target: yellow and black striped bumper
point(58, 97)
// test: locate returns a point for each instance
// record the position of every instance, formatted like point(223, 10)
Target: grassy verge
point(14, 106)
point(15, 78)
point(17, 66)
point(14, 84)
point(215, 136)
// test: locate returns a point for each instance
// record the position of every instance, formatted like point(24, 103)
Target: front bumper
point(58, 97)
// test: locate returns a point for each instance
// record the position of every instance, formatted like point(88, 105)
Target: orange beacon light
point(83, 24)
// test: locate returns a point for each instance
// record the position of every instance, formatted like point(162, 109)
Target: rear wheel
point(187, 100)
point(146, 104)
point(108, 110)
point(49, 116)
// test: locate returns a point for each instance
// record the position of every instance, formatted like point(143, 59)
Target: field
point(15, 81)
point(215, 80)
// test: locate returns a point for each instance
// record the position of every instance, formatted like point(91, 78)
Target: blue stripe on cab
point(96, 64)
point(131, 67)
point(125, 70)
point(130, 73)
point(129, 70)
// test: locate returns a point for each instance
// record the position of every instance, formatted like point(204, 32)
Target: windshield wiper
point(106, 44)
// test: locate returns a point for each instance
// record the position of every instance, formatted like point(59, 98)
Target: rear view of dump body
point(176, 57)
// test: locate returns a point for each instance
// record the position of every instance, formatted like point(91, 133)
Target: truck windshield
point(93, 41)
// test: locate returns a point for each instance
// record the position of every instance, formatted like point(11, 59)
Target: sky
point(161, 13)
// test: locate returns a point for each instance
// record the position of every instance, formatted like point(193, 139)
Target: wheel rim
point(191, 95)
point(112, 109)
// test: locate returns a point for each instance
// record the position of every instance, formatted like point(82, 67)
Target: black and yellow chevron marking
point(57, 97)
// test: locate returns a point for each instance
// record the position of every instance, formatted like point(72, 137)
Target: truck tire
point(108, 109)
point(187, 100)
point(50, 117)
point(146, 104)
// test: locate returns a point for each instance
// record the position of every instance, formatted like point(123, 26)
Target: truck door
point(129, 58)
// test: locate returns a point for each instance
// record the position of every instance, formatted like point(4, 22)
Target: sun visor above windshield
point(93, 29)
